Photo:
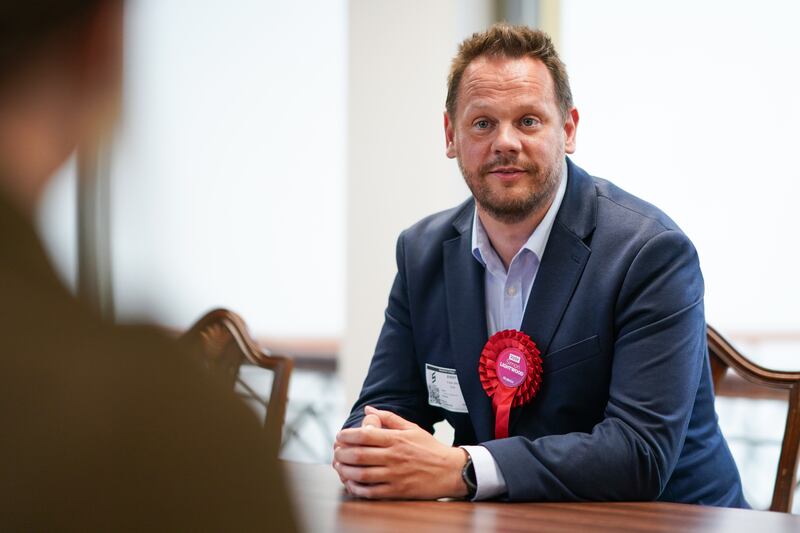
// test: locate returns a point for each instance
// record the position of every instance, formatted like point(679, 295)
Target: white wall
point(694, 106)
point(228, 182)
point(397, 170)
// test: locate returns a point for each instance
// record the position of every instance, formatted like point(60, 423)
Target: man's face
point(509, 136)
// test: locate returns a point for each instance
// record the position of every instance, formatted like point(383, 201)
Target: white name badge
point(443, 389)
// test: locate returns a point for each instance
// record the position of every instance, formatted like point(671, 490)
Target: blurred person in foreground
point(554, 320)
point(102, 427)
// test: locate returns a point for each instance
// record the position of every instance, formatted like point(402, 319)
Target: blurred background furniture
point(316, 407)
point(786, 385)
point(221, 336)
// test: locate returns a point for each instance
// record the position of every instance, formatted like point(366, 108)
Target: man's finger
point(372, 492)
point(389, 419)
point(336, 465)
point(366, 436)
point(364, 474)
point(336, 446)
point(361, 455)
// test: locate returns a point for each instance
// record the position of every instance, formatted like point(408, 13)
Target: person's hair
point(505, 40)
point(25, 25)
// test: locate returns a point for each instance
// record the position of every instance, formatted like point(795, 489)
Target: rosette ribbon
point(510, 369)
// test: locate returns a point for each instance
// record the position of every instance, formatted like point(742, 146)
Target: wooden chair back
point(222, 338)
point(723, 356)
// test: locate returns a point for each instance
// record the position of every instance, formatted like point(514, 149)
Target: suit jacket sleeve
point(394, 382)
point(659, 356)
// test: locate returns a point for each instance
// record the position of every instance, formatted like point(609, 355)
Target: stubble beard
point(513, 210)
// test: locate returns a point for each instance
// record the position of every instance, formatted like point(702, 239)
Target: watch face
point(471, 473)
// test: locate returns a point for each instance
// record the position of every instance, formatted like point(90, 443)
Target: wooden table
point(323, 507)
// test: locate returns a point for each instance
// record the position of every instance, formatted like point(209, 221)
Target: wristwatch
point(470, 480)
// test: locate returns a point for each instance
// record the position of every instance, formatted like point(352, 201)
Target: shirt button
point(511, 291)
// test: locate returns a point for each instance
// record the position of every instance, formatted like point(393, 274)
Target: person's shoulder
point(622, 206)
point(440, 226)
point(420, 246)
point(627, 224)
point(619, 201)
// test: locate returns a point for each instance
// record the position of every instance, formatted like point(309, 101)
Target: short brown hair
point(505, 40)
point(27, 24)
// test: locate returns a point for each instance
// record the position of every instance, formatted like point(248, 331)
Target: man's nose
point(506, 139)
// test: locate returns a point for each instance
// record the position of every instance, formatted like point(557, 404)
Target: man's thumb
point(371, 420)
point(389, 420)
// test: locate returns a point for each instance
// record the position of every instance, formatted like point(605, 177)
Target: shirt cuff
point(488, 477)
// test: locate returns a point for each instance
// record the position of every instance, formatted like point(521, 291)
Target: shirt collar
point(536, 243)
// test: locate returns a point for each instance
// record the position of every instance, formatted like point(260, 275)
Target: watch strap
point(470, 480)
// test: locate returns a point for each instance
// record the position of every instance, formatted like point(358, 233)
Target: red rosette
point(510, 370)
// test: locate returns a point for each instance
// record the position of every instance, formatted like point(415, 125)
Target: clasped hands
point(389, 457)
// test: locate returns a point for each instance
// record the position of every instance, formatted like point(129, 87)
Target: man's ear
point(571, 130)
point(449, 137)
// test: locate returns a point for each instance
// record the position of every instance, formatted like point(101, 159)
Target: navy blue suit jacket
point(626, 406)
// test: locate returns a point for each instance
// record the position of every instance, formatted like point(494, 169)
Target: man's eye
point(529, 122)
point(482, 124)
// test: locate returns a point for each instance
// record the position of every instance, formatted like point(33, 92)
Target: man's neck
point(508, 238)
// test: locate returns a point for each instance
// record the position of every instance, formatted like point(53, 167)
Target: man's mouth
point(507, 170)
point(507, 173)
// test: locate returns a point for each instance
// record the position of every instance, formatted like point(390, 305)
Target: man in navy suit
point(606, 285)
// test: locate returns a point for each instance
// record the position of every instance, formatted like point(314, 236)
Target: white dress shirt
point(507, 294)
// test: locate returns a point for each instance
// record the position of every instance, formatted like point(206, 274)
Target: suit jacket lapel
point(559, 272)
point(466, 314)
